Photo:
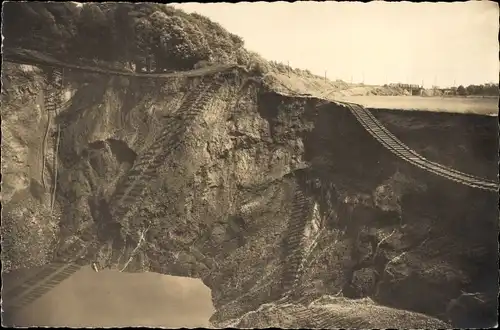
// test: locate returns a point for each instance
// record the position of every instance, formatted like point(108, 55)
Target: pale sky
point(404, 42)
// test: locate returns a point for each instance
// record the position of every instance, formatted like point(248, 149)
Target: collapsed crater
point(261, 194)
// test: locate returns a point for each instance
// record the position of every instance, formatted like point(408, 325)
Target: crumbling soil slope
point(200, 177)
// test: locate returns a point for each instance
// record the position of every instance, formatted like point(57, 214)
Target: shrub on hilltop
point(146, 35)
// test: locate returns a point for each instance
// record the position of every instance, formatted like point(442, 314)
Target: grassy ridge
point(143, 37)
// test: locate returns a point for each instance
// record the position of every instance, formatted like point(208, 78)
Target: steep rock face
point(327, 310)
point(256, 193)
point(29, 228)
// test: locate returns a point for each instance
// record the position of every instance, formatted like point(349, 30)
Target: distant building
point(447, 91)
point(413, 89)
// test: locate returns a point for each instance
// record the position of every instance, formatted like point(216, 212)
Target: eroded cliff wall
point(212, 176)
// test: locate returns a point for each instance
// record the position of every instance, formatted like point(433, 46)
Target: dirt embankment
point(212, 199)
point(325, 88)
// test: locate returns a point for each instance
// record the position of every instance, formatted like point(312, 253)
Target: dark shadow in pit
point(466, 142)
point(122, 151)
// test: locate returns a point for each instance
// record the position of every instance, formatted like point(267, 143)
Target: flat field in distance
point(477, 105)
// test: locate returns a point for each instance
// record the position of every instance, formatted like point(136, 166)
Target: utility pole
point(325, 75)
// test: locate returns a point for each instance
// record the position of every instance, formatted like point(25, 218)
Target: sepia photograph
point(307, 164)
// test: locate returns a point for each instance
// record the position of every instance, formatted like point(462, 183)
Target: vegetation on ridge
point(119, 32)
point(141, 36)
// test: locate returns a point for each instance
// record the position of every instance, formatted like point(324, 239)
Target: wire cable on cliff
point(44, 140)
point(57, 96)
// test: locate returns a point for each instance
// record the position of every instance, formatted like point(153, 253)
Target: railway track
point(295, 241)
point(29, 286)
point(137, 179)
point(39, 285)
point(301, 207)
point(26, 57)
point(26, 289)
point(52, 97)
point(366, 119)
point(397, 147)
point(172, 136)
